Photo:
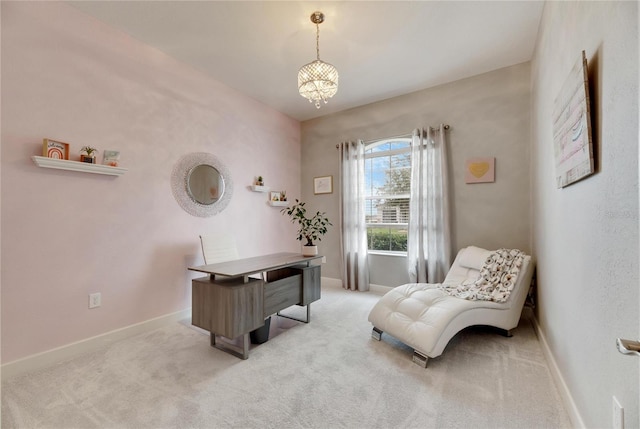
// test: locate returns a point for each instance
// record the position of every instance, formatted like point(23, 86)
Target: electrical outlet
point(95, 300)
point(324, 259)
point(618, 415)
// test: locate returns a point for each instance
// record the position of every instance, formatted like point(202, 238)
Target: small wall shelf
point(279, 203)
point(256, 188)
point(63, 164)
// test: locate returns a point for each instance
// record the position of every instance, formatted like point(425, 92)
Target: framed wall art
point(480, 170)
point(323, 185)
point(55, 149)
point(573, 145)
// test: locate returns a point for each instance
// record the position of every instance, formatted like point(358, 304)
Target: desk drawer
point(310, 283)
point(282, 293)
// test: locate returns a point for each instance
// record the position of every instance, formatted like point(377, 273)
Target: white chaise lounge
point(425, 317)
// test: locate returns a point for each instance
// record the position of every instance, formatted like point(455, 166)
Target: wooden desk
point(232, 304)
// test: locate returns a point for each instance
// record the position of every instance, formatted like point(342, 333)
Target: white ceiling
point(381, 48)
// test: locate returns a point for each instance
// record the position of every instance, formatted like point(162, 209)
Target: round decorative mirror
point(201, 184)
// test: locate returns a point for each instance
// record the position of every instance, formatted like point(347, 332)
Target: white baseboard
point(376, 289)
point(570, 405)
point(330, 282)
point(379, 289)
point(54, 356)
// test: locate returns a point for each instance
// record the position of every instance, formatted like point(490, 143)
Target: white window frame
point(387, 153)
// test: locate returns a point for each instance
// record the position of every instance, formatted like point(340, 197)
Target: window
point(387, 168)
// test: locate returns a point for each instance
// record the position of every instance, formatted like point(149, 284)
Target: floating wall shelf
point(63, 164)
point(256, 188)
point(279, 203)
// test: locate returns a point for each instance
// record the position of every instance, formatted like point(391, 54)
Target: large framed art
point(573, 145)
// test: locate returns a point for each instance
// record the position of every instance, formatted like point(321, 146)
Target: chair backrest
point(469, 261)
point(467, 264)
point(218, 248)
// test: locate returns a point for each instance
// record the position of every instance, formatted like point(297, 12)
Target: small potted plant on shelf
point(259, 181)
point(89, 158)
point(311, 228)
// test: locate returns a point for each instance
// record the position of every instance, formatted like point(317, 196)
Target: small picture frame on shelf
point(323, 185)
point(111, 158)
point(55, 149)
point(274, 196)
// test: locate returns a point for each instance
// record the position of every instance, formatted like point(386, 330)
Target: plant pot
point(87, 159)
point(309, 250)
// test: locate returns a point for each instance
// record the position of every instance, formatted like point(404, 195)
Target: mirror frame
point(180, 184)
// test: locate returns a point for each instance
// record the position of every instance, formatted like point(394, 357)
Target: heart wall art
point(480, 170)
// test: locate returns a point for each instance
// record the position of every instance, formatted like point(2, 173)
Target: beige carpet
point(327, 374)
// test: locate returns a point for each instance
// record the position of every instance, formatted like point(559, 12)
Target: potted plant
point(311, 228)
point(259, 181)
point(89, 157)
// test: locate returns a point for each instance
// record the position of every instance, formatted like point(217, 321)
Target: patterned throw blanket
point(497, 277)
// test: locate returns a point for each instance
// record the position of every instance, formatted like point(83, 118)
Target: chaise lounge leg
point(508, 333)
point(376, 334)
point(420, 359)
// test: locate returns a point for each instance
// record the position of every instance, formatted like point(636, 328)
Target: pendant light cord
point(318, 41)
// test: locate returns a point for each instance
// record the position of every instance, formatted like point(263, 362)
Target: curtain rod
point(446, 127)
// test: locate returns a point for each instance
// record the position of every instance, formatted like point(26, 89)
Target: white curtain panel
point(353, 239)
point(429, 235)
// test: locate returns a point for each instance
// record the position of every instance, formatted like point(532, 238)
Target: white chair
point(221, 248)
point(425, 317)
point(218, 248)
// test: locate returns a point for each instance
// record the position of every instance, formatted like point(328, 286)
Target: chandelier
point(317, 80)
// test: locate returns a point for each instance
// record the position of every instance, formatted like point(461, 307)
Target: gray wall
point(585, 236)
point(489, 116)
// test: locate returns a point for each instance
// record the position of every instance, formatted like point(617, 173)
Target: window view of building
point(388, 183)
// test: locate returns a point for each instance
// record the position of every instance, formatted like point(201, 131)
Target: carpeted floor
point(327, 374)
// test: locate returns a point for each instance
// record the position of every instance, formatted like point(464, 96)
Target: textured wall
point(586, 235)
point(489, 117)
point(66, 234)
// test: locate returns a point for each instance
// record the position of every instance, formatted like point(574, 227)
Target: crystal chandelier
point(317, 80)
